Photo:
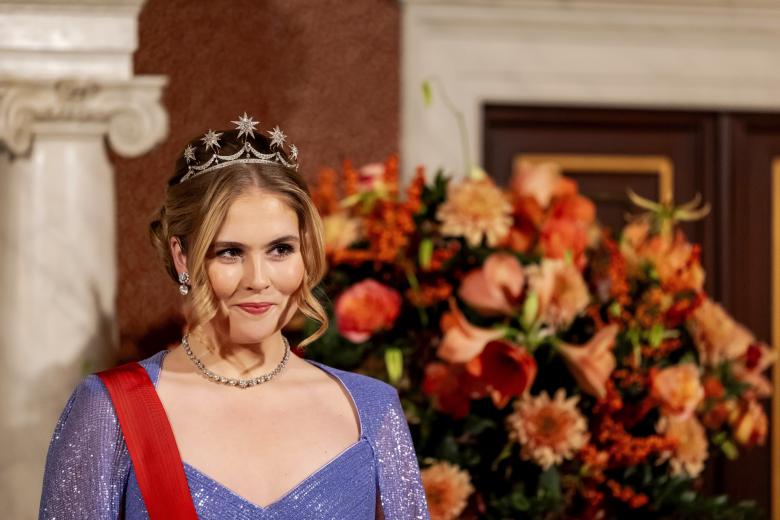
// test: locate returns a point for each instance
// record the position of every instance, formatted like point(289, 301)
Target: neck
point(236, 360)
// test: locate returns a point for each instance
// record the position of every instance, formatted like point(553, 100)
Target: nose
point(255, 273)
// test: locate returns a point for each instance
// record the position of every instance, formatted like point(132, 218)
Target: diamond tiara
point(246, 154)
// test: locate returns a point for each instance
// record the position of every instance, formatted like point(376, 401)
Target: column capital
point(128, 111)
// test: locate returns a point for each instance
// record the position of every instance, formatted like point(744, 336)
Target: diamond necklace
point(240, 383)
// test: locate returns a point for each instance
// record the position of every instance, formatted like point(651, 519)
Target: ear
point(179, 258)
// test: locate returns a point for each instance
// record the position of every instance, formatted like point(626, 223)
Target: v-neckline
point(340, 456)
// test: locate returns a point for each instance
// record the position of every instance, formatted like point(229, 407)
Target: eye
point(229, 253)
point(282, 250)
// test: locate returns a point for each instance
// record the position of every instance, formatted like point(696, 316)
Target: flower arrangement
point(547, 368)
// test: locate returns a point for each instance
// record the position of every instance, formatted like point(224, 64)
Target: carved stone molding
point(667, 54)
point(128, 112)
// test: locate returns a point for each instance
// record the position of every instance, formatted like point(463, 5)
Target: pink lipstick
point(256, 308)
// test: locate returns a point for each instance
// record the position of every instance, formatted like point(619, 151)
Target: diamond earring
point(184, 280)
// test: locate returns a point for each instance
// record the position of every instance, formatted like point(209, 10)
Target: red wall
point(326, 72)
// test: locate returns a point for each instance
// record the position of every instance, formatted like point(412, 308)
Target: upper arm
point(87, 463)
point(400, 488)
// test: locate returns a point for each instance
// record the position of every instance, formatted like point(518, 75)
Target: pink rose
point(365, 308)
point(591, 364)
point(679, 390)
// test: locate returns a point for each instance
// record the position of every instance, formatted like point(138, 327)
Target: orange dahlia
point(447, 488)
point(548, 430)
point(475, 209)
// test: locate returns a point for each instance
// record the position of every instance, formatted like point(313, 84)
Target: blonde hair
point(194, 211)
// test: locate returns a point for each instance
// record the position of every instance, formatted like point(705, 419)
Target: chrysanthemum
point(690, 450)
point(475, 209)
point(548, 430)
point(447, 489)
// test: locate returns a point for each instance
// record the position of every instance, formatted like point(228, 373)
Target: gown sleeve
point(87, 463)
point(401, 492)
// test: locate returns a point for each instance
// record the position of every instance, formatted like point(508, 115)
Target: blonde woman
point(231, 424)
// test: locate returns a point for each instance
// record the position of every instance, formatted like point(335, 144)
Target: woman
point(254, 431)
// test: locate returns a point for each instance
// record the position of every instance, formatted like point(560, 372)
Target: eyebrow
point(280, 240)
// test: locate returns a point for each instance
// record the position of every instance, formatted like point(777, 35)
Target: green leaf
point(448, 449)
point(615, 309)
point(476, 425)
point(394, 361)
point(550, 482)
point(425, 253)
point(520, 501)
point(505, 453)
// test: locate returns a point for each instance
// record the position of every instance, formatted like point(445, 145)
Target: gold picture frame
point(658, 165)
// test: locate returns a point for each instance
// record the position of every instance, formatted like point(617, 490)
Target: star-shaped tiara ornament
point(247, 153)
point(189, 153)
point(211, 139)
point(246, 126)
point(277, 137)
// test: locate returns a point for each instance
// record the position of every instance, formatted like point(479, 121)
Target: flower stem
point(459, 118)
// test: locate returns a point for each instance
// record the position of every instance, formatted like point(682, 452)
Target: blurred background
point(98, 99)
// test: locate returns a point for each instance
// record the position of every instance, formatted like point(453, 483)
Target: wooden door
point(730, 158)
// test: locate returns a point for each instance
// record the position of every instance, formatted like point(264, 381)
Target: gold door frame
point(775, 259)
point(658, 165)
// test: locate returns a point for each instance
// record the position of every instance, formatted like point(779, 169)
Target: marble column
point(58, 265)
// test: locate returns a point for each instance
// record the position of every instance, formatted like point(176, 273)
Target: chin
point(250, 332)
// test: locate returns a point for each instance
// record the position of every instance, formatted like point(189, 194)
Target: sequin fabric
point(89, 475)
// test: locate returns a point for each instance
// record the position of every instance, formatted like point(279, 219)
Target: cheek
point(288, 275)
point(224, 279)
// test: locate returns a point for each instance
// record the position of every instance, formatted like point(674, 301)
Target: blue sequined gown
point(89, 474)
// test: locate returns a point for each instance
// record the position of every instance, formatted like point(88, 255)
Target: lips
point(255, 308)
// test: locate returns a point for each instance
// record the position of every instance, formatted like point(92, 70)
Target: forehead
point(258, 216)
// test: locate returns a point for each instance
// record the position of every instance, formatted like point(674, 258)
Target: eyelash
point(235, 252)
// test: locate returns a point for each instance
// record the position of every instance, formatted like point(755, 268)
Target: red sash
point(150, 442)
